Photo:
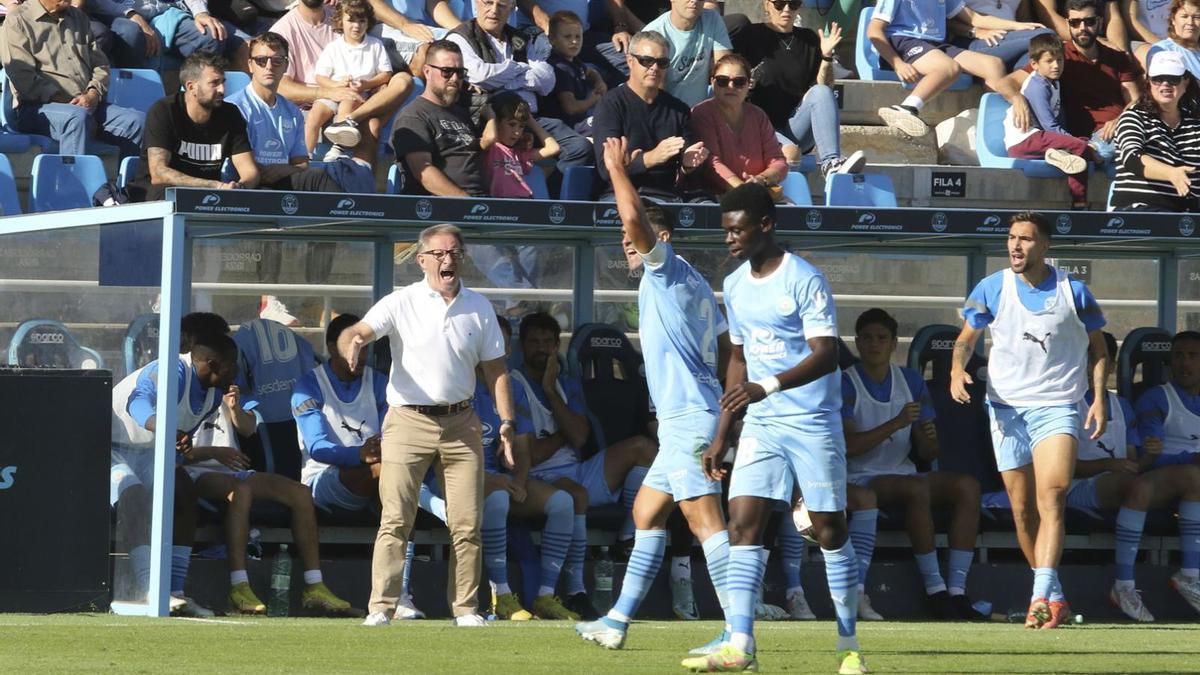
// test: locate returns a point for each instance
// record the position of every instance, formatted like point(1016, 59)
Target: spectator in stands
point(437, 147)
point(1183, 36)
point(143, 29)
point(60, 78)
point(792, 68)
point(497, 59)
point(1049, 13)
point(653, 122)
point(1010, 46)
point(408, 28)
point(308, 28)
point(508, 141)
point(577, 88)
point(1047, 138)
point(1147, 22)
point(597, 46)
point(612, 475)
point(911, 39)
point(886, 414)
point(355, 60)
point(446, 331)
point(190, 134)
point(1112, 475)
point(698, 39)
point(275, 128)
point(1158, 140)
point(1098, 82)
point(738, 135)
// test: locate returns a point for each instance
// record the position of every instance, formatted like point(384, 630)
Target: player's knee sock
point(1043, 579)
point(1056, 591)
point(841, 572)
point(238, 577)
point(575, 555)
point(493, 532)
point(409, 552)
point(931, 576)
point(633, 483)
point(139, 559)
point(746, 567)
point(556, 539)
point(959, 565)
point(644, 561)
point(716, 554)
point(791, 550)
point(1189, 538)
point(181, 559)
point(1130, 524)
point(862, 537)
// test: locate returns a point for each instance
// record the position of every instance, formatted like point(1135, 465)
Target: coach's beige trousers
point(411, 443)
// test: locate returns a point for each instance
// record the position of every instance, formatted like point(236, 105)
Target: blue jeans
point(575, 150)
point(130, 41)
point(1013, 48)
point(1106, 149)
point(815, 122)
point(71, 125)
point(598, 50)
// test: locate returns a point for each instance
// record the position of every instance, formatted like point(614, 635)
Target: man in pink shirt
point(308, 27)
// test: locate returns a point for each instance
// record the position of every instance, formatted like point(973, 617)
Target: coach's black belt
point(440, 410)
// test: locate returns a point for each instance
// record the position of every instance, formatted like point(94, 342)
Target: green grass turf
point(108, 643)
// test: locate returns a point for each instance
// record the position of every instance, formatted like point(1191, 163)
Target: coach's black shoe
point(942, 608)
point(581, 604)
point(965, 608)
point(620, 552)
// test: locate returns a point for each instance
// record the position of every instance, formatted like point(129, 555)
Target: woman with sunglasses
point(1183, 36)
point(1010, 46)
point(1158, 142)
point(738, 135)
point(792, 72)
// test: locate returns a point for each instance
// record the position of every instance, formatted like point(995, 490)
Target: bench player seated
point(886, 413)
point(1168, 420)
point(556, 405)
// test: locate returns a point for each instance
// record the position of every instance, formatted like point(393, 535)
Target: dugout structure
point(146, 250)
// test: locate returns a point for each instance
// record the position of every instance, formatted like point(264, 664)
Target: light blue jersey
point(679, 325)
point(924, 19)
point(276, 132)
point(271, 358)
point(489, 421)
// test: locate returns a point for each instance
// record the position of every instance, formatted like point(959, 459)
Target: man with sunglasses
point(436, 144)
point(698, 39)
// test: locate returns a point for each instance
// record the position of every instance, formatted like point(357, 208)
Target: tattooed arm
point(963, 347)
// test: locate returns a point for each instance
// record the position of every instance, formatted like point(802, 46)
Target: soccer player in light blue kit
point(1043, 325)
point(683, 337)
point(784, 369)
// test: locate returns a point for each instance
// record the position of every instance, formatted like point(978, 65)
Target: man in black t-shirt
point(189, 135)
point(436, 145)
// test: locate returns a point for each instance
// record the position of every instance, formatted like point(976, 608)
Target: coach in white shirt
point(439, 331)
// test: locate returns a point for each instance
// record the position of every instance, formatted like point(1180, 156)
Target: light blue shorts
point(864, 479)
point(1082, 494)
point(676, 469)
point(589, 474)
point(329, 491)
point(1017, 431)
point(773, 459)
point(128, 467)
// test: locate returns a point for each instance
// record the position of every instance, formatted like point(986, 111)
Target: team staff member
point(439, 331)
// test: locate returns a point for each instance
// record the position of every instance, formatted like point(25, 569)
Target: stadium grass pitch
point(108, 643)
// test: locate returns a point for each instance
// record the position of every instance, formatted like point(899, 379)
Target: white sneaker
point(904, 119)
point(176, 604)
point(271, 308)
point(1188, 588)
point(1129, 601)
point(470, 621)
point(683, 602)
point(406, 610)
point(1065, 161)
point(377, 619)
point(766, 612)
point(865, 611)
point(333, 154)
point(190, 608)
point(797, 607)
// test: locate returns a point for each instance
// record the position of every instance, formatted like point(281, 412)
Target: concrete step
point(884, 145)
point(860, 100)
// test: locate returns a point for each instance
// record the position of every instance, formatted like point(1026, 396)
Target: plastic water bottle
point(602, 590)
point(281, 583)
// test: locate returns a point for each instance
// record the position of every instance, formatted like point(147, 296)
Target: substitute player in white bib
point(1043, 325)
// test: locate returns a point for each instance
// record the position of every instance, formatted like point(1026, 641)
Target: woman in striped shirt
point(1158, 142)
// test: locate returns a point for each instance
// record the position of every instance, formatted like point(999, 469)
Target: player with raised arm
point(685, 341)
point(1043, 324)
point(784, 371)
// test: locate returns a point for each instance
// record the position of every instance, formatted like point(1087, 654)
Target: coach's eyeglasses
point(262, 61)
point(440, 254)
point(738, 82)
point(450, 71)
point(793, 5)
point(647, 61)
point(1089, 21)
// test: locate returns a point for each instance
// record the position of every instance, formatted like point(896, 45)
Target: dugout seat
point(140, 345)
point(614, 383)
point(860, 189)
point(137, 88)
point(64, 182)
point(1144, 361)
point(45, 343)
point(10, 204)
point(866, 59)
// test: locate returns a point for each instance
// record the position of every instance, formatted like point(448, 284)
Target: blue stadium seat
point(989, 141)
point(394, 180)
point(614, 383)
point(536, 179)
point(137, 88)
point(579, 183)
point(1108, 204)
point(128, 171)
point(866, 59)
point(140, 345)
point(10, 205)
point(64, 182)
point(235, 81)
point(860, 189)
point(795, 188)
point(20, 142)
point(1144, 361)
point(808, 163)
point(46, 343)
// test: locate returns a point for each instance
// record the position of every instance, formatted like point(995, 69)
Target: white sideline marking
point(230, 622)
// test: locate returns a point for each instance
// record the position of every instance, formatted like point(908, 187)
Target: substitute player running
point(1043, 325)
point(784, 366)
point(683, 338)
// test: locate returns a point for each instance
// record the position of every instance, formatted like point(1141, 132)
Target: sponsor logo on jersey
point(765, 345)
point(276, 386)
